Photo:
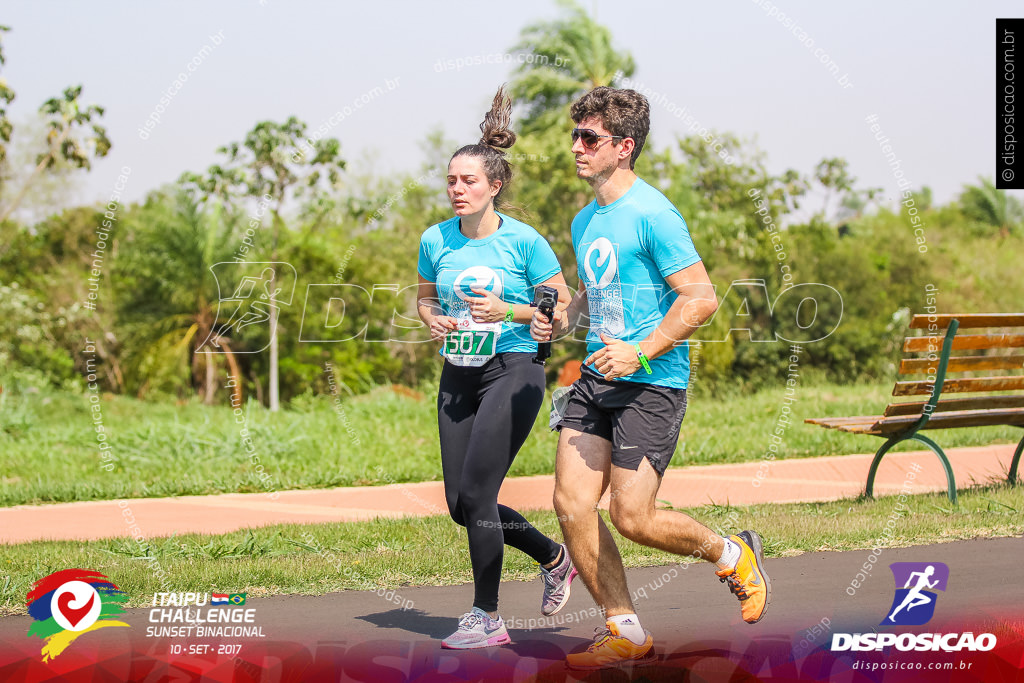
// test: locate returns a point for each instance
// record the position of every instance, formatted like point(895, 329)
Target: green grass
point(48, 448)
point(389, 553)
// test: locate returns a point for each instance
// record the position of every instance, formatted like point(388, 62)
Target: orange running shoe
point(748, 581)
point(610, 649)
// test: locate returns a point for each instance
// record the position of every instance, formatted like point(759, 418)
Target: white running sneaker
point(557, 581)
point(477, 630)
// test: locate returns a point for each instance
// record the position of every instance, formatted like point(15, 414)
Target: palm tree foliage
point(989, 206)
point(168, 296)
point(567, 57)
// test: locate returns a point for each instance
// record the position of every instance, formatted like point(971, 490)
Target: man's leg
point(633, 513)
point(581, 475)
point(645, 430)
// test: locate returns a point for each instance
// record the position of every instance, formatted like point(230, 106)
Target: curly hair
point(625, 113)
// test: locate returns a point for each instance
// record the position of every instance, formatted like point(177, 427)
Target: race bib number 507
point(471, 347)
point(469, 342)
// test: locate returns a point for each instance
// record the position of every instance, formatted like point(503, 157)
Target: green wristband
point(511, 314)
point(643, 359)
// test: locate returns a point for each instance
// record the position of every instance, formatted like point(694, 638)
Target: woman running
point(477, 274)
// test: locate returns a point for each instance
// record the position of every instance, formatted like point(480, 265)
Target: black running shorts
point(641, 420)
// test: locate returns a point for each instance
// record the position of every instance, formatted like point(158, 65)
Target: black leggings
point(484, 415)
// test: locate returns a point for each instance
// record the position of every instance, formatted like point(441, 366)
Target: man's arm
point(694, 305)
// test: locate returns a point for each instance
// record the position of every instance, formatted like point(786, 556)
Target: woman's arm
point(568, 316)
point(488, 308)
point(428, 306)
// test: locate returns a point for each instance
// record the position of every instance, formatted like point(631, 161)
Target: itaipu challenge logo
point(71, 603)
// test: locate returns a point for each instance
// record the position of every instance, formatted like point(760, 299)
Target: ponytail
point(497, 136)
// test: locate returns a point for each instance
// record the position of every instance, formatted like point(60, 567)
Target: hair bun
point(495, 127)
point(500, 140)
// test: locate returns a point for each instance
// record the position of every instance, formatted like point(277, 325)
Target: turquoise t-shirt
point(510, 263)
point(624, 252)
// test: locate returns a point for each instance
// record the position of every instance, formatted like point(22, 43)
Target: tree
point(74, 137)
point(6, 97)
point(567, 57)
point(54, 260)
point(167, 294)
point(278, 162)
point(833, 174)
point(989, 206)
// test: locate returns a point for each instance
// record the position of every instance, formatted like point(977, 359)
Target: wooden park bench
point(993, 349)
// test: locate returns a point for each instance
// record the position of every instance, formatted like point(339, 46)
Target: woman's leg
point(457, 403)
point(512, 395)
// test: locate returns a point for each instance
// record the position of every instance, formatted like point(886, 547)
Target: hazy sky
point(926, 69)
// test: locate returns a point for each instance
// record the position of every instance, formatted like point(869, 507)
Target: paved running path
point(786, 481)
point(366, 636)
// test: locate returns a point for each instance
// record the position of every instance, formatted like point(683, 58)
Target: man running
point(646, 291)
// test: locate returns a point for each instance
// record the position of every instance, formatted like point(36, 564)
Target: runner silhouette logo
point(250, 296)
point(916, 583)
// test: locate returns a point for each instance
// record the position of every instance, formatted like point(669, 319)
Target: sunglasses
point(591, 138)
